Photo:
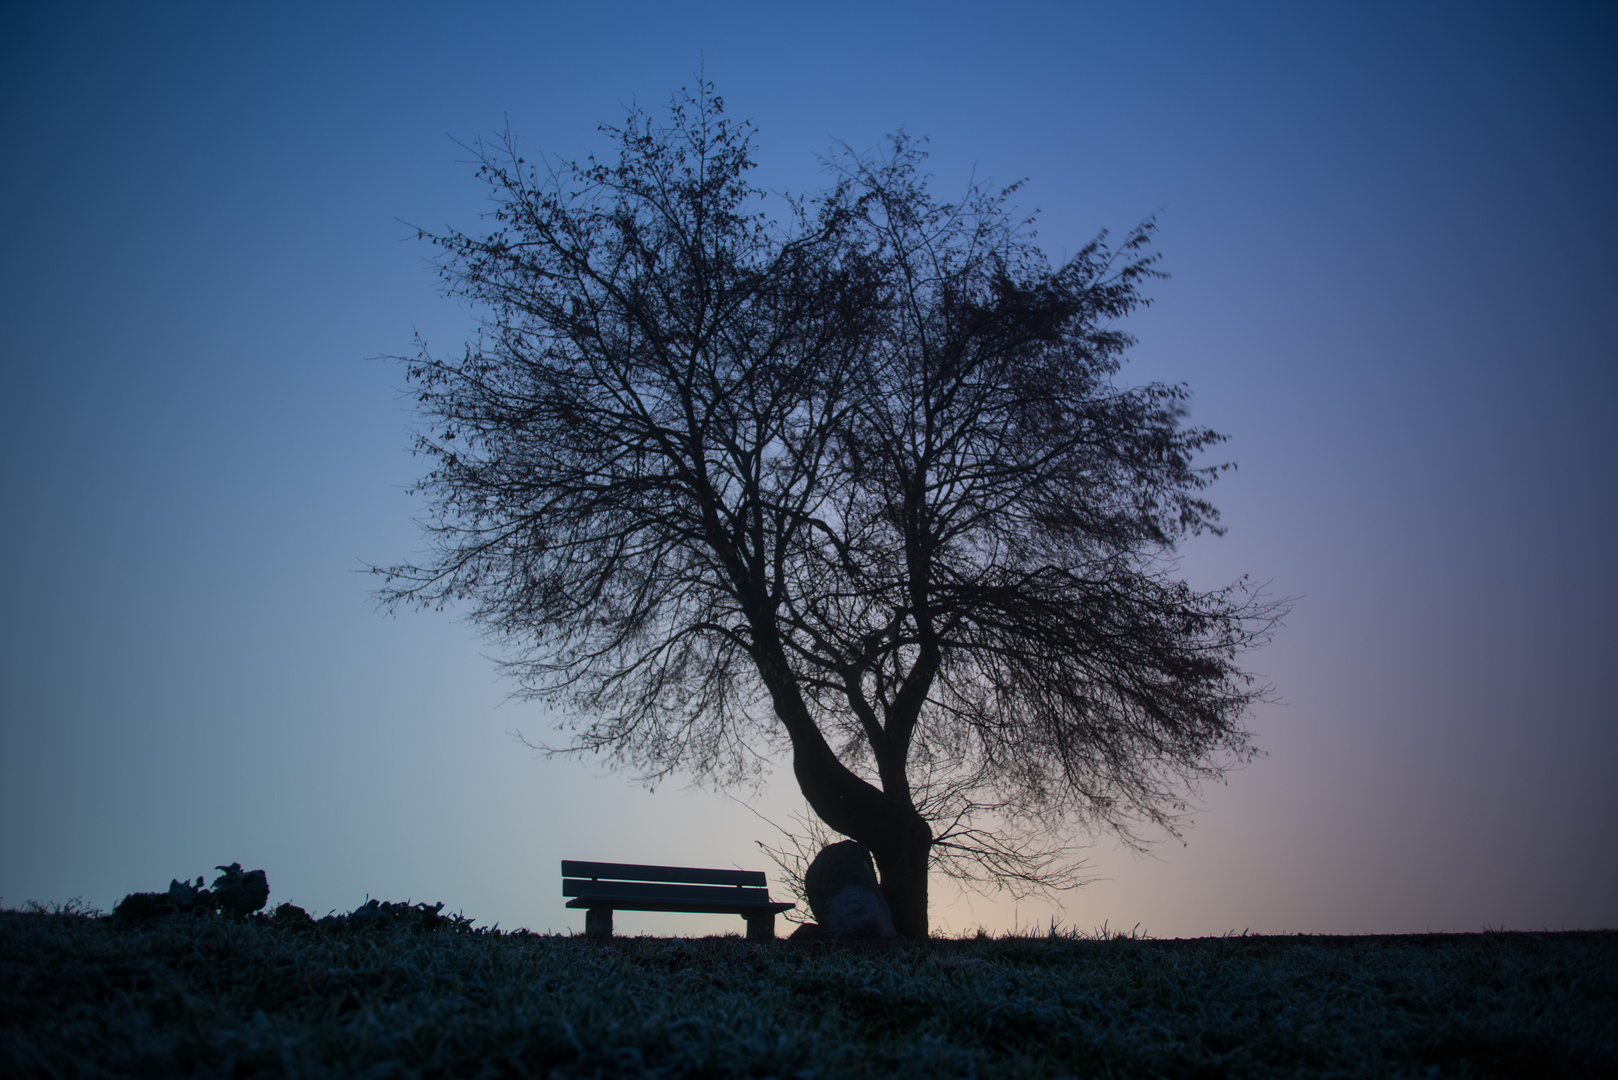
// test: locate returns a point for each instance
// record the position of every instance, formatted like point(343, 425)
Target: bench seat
point(602, 888)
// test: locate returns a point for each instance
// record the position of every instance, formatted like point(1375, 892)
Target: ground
point(211, 996)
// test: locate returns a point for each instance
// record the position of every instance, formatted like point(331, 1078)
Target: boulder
point(843, 893)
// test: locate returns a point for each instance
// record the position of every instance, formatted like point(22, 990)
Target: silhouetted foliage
point(855, 482)
point(380, 915)
point(236, 892)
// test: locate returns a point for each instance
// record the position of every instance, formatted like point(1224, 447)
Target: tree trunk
point(904, 879)
point(898, 838)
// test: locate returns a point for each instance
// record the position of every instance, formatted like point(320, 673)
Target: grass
point(80, 996)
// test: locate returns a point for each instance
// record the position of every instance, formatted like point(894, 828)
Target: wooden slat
point(649, 892)
point(711, 909)
point(635, 872)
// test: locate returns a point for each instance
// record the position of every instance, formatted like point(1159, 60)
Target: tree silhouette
point(854, 484)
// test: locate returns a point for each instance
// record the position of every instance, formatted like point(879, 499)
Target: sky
point(1393, 252)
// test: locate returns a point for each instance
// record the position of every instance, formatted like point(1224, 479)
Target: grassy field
point(80, 996)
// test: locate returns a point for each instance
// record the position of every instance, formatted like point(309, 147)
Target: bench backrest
point(631, 881)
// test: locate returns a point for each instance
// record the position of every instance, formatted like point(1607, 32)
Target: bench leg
point(598, 923)
point(761, 927)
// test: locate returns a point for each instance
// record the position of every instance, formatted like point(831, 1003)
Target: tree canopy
point(847, 478)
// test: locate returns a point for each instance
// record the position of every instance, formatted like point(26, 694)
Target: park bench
point(602, 888)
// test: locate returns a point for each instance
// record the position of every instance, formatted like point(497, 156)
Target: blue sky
point(1394, 259)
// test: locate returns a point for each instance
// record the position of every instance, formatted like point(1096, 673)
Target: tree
point(854, 485)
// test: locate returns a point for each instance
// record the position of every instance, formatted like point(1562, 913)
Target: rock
point(858, 911)
point(836, 867)
point(843, 893)
point(807, 932)
point(238, 892)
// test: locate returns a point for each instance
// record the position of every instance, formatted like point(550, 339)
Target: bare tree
point(855, 485)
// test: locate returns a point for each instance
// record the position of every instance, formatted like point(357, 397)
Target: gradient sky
point(1394, 248)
